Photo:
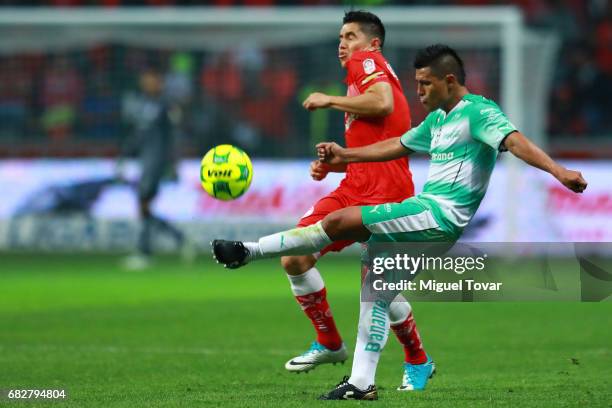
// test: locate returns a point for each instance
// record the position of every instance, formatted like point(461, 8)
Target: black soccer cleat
point(232, 254)
point(346, 391)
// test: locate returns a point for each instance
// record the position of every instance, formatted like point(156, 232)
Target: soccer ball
point(226, 172)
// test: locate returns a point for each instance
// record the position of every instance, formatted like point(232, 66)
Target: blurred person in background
point(560, 17)
point(600, 118)
point(321, 125)
point(62, 92)
point(15, 89)
point(178, 94)
point(266, 105)
point(100, 108)
point(153, 121)
point(178, 79)
point(222, 91)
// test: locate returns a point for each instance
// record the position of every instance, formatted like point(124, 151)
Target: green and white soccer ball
point(226, 172)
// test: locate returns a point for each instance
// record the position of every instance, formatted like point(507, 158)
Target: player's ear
point(375, 43)
point(450, 79)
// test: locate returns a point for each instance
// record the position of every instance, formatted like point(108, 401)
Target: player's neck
point(455, 99)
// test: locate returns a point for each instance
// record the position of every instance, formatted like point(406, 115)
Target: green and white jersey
point(463, 147)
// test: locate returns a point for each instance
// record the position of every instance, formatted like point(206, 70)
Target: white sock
point(399, 310)
point(306, 283)
point(297, 241)
point(372, 335)
point(254, 251)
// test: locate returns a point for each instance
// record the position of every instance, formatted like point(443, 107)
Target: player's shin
point(309, 291)
point(297, 241)
point(372, 335)
point(399, 310)
point(404, 327)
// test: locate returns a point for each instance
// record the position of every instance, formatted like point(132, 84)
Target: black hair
point(442, 60)
point(369, 23)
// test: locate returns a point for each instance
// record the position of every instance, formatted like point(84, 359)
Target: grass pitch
point(184, 336)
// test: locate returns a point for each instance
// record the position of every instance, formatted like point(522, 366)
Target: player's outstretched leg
point(347, 391)
point(341, 224)
point(297, 241)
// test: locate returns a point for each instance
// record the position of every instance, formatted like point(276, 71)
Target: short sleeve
point(489, 125)
point(365, 71)
point(418, 139)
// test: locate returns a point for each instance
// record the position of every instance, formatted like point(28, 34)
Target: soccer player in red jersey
point(375, 109)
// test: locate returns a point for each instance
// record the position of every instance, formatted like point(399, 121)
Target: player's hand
point(318, 170)
point(330, 153)
point(317, 100)
point(573, 180)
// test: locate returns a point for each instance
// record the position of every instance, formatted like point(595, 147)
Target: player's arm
point(388, 149)
point(376, 101)
point(531, 154)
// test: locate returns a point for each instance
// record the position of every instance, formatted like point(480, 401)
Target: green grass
point(181, 336)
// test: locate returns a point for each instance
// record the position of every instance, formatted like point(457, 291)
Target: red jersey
point(375, 183)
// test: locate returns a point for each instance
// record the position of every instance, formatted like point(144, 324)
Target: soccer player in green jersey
point(463, 135)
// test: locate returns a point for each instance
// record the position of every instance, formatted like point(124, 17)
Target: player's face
point(352, 39)
point(433, 91)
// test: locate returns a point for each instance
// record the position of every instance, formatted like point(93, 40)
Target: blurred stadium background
point(69, 70)
point(236, 72)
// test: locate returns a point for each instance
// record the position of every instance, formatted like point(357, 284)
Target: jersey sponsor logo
point(451, 136)
point(497, 118)
point(442, 156)
point(369, 66)
point(445, 136)
point(491, 114)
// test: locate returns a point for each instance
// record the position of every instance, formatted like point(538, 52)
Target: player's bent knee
point(297, 265)
point(332, 225)
point(345, 224)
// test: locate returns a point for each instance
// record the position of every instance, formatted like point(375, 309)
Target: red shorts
point(328, 204)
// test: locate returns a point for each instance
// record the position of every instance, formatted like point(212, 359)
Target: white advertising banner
point(582, 217)
point(78, 204)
